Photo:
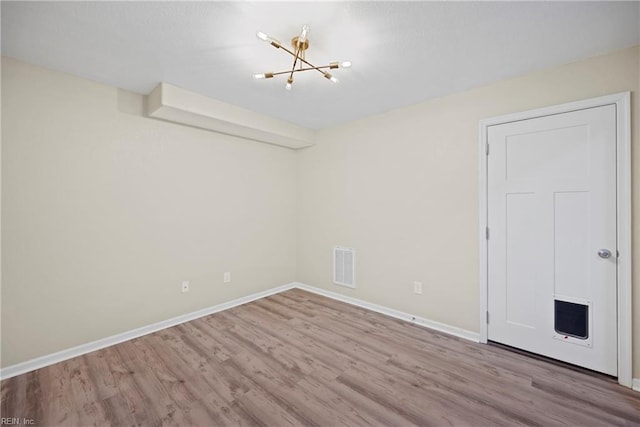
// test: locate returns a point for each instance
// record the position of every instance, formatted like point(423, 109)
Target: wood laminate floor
point(297, 358)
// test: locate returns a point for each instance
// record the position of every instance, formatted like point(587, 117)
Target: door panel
point(571, 243)
point(551, 207)
point(521, 274)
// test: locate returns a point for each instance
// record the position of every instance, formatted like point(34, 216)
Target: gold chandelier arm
point(312, 67)
point(299, 69)
point(293, 67)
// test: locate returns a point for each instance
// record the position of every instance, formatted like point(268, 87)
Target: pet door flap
point(571, 319)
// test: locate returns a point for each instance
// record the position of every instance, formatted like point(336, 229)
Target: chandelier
point(300, 44)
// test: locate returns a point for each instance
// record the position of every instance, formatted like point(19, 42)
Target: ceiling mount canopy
point(300, 44)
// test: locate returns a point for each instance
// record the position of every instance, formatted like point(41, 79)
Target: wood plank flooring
point(297, 358)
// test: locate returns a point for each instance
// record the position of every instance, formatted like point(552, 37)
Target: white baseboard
point(50, 359)
point(427, 323)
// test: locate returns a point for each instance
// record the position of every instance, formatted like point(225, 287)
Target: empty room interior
point(320, 213)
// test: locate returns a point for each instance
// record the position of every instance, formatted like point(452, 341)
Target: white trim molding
point(636, 384)
point(420, 321)
point(623, 119)
point(60, 356)
point(50, 359)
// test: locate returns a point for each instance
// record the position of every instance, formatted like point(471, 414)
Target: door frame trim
point(622, 101)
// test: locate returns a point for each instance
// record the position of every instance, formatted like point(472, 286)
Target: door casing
point(622, 101)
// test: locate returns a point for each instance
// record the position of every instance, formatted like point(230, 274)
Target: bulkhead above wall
point(174, 104)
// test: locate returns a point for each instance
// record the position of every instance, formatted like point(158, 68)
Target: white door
point(552, 236)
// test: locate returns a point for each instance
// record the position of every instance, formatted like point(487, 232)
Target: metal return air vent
point(344, 266)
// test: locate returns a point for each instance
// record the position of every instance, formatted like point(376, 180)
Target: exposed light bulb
point(268, 39)
point(259, 76)
point(288, 86)
point(304, 33)
point(328, 76)
point(339, 64)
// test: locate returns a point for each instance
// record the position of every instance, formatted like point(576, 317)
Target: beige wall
point(402, 189)
point(105, 212)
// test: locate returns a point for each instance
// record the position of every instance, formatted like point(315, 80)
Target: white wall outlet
point(227, 277)
point(185, 286)
point(417, 287)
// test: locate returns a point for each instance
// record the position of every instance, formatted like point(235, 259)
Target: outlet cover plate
point(417, 287)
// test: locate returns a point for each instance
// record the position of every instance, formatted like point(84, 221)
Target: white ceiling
point(402, 53)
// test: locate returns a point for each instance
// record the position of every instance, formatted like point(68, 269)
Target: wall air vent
point(344, 266)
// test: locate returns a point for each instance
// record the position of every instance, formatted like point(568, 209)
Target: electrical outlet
point(227, 277)
point(417, 287)
point(185, 286)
